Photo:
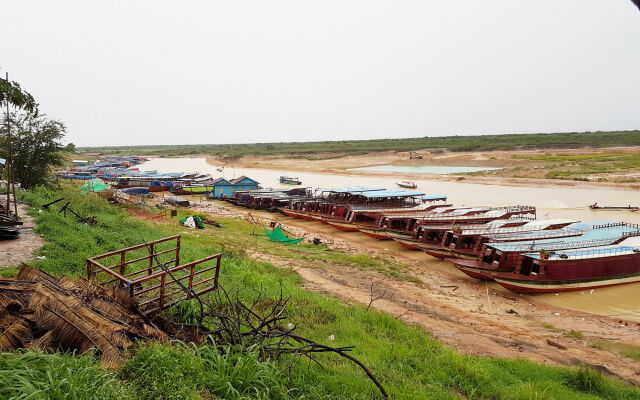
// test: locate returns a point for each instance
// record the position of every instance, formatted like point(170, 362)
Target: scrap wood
point(39, 311)
point(556, 344)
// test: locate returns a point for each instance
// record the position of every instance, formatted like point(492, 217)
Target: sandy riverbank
point(516, 170)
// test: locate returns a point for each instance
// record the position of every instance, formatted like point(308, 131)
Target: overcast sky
point(186, 72)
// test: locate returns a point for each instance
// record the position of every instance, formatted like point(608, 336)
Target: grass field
point(437, 144)
point(408, 361)
point(581, 165)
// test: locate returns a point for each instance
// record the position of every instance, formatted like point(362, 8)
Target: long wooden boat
point(613, 208)
point(290, 181)
point(581, 269)
point(343, 226)
point(505, 256)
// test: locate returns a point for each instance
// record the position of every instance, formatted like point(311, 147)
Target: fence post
point(151, 253)
point(193, 268)
point(123, 258)
point(178, 250)
point(215, 281)
point(89, 274)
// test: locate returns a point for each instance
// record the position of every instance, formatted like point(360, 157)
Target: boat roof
point(434, 197)
point(589, 238)
point(627, 246)
point(390, 193)
point(353, 189)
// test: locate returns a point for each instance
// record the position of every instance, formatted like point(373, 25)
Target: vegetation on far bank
point(451, 143)
point(408, 361)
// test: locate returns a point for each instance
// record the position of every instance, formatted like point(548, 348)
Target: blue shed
point(244, 183)
point(222, 187)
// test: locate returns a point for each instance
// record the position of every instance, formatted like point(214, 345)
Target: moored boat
point(290, 181)
point(407, 184)
point(581, 269)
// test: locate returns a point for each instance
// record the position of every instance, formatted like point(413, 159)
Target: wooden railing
point(156, 280)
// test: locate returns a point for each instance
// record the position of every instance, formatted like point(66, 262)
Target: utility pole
point(9, 163)
point(8, 166)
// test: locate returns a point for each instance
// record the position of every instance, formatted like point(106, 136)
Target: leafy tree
point(70, 148)
point(11, 92)
point(35, 147)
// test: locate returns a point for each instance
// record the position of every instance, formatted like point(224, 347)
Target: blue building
point(244, 183)
point(223, 187)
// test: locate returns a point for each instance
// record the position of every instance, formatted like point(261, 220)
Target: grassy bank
point(563, 166)
point(409, 363)
point(451, 143)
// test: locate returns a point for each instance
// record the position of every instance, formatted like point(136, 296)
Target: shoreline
point(344, 166)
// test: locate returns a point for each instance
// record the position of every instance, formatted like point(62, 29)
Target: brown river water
point(551, 202)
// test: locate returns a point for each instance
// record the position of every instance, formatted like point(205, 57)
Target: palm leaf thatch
point(38, 310)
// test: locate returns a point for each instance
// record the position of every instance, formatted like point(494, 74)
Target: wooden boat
point(595, 206)
point(343, 226)
point(582, 269)
point(505, 256)
point(290, 181)
point(379, 234)
point(407, 184)
point(176, 201)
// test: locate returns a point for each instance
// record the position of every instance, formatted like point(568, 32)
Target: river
point(551, 202)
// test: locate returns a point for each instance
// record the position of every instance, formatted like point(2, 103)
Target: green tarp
point(94, 185)
point(277, 235)
point(196, 219)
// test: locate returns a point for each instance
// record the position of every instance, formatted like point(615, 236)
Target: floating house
point(223, 187)
point(244, 183)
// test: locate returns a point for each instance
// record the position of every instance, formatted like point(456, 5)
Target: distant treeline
point(450, 143)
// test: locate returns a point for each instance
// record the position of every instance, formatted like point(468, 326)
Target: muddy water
point(551, 202)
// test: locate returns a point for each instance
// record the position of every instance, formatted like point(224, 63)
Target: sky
point(190, 72)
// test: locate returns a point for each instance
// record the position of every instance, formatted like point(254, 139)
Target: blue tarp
point(136, 190)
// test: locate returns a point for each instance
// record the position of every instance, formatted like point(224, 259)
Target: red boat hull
point(345, 227)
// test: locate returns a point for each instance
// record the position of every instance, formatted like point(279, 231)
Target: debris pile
point(8, 224)
point(39, 311)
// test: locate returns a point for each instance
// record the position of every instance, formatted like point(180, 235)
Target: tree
point(12, 93)
point(35, 147)
point(70, 148)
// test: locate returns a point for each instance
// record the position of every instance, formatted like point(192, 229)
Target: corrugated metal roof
point(391, 193)
point(353, 189)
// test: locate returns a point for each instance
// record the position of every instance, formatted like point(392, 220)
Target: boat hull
point(343, 226)
point(528, 287)
point(376, 234)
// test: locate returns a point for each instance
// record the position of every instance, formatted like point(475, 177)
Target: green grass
point(624, 349)
point(568, 165)
point(408, 361)
point(574, 334)
point(551, 327)
point(452, 143)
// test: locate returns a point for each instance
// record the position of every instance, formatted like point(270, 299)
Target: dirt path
point(475, 317)
point(24, 248)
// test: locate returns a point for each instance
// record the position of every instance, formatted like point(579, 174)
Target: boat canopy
point(390, 193)
point(352, 189)
point(433, 197)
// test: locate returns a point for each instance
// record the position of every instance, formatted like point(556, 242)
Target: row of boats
point(505, 244)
